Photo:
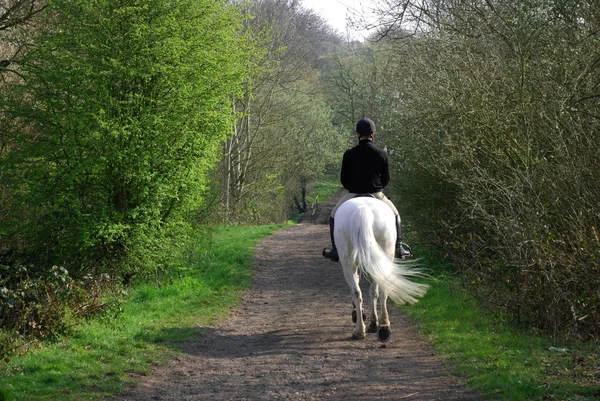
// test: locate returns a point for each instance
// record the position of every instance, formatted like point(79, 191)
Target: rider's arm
point(344, 175)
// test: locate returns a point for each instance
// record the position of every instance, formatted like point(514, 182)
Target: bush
point(498, 144)
point(43, 307)
point(111, 120)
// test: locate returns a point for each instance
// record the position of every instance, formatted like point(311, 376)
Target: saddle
point(403, 251)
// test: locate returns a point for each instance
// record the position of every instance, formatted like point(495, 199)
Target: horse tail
point(375, 263)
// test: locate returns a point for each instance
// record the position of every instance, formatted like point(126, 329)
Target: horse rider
point(365, 170)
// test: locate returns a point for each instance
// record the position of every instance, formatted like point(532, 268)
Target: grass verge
point(501, 362)
point(100, 357)
point(322, 191)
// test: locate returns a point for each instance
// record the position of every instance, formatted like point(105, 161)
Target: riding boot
point(401, 252)
point(331, 253)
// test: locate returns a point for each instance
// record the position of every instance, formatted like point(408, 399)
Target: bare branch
point(17, 12)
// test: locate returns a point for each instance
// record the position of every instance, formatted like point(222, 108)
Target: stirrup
point(405, 251)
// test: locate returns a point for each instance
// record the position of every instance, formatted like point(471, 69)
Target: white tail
point(381, 267)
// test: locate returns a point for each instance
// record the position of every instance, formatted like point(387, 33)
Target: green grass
point(501, 362)
point(322, 191)
point(96, 359)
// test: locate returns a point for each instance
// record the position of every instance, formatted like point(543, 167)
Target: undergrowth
point(500, 361)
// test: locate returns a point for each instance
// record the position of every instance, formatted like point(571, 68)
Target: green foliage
point(283, 137)
point(500, 362)
point(96, 360)
point(311, 146)
point(125, 104)
point(495, 120)
point(353, 81)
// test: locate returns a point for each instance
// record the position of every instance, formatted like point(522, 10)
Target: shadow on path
point(290, 339)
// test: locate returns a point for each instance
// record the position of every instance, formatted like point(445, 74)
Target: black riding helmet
point(365, 126)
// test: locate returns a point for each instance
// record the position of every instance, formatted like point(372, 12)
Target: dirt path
point(290, 340)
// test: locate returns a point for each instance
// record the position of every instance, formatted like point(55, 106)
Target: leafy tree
point(125, 104)
point(256, 179)
point(17, 24)
point(360, 82)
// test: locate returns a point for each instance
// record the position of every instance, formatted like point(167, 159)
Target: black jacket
point(365, 168)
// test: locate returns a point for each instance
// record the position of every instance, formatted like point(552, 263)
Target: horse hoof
point(384, 334)
point(372, 327)
point(358, 337)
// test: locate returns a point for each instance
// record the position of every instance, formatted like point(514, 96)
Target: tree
point(256, 183)
point(125, 104)
point(17, 12)
point(17, 22)
point(359, 83)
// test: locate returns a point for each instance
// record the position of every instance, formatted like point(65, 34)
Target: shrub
point(43, 307)
point(498, 143)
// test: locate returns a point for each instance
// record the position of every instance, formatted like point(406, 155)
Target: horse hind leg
point(384, 333)
point(352, 278)
point(374, 320)
point(359, 326)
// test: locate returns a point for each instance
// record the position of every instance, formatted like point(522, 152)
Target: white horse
point(365, 235)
